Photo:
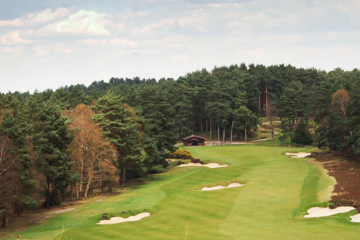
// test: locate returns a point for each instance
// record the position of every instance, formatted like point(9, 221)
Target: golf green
point(278, 191)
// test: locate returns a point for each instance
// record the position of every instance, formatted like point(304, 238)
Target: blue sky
point(53, 43)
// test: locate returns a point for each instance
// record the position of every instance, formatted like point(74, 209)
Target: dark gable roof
point(193, 136)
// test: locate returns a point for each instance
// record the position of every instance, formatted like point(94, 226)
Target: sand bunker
point(116, 220)
point(231, 185)
point(298, 155)
point(64, 210)
point(209, 165)
point(324, 212)
point(355, 218)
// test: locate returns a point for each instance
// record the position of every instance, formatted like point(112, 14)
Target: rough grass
point(277, 193)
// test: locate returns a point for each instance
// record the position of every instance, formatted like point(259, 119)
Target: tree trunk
point(18, 211)
point(296, 117)
point(245, 131)
point(103, 186)
point(71, 192)
point(266, 102)
point(315, 133)
point(206, 127)
point(259, 102)
point(210, 130)
point(110, 185)
point(224, 135)
point(231, 134)
point(272, 130)
point(124, 177)
point(63, 195)
point(121, 177)
point(87, 187)
point(91, 190)
point(202, 128)
point(4, 221)
point(218, 132)
point(352, 145)
point(48, 192)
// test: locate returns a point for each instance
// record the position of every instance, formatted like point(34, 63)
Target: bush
point(197, 161)
point(302, 135)
point(181, 154)
point(157, 169)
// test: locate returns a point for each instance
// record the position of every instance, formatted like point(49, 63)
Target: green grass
point(277, 193)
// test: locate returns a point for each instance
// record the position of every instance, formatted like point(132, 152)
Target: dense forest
point(63, 143)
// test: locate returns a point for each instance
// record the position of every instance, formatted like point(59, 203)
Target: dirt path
point(347, 174)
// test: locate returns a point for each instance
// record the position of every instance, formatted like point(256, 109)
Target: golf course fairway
point(278, 191)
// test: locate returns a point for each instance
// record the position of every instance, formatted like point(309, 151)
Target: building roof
point(194, 136)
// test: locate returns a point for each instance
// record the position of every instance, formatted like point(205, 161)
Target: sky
point(53, 43)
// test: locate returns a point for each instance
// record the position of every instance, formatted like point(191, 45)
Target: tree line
point(64, 143)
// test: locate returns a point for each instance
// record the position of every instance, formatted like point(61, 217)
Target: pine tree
point(301, 134)
point(354, 112)
point(120, 125)
point(159, 127)
point(286, 112)
point(51, 141)
point(291, 103)
point(17, 131)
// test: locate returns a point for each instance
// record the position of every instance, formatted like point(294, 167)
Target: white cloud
point(222, 5)
point(34, 18)
point(60, 48)
point(82, 22)
point(173, 41)
point(216, 5)
point(182, 57)
point(13, 37)
point(93, 42)
point(279, 38)
point(174, 45)
point(124, 42)
point(15, 50)
point(43, 50)
point(253, 53)
point(196, 20)
point(131, 15)
point(149, 29)
point(28, 32)
point(341, 50)
point(11, 23)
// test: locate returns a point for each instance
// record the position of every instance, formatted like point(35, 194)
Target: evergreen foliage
point(302, 135)
point(51, 142)
point(121, 126)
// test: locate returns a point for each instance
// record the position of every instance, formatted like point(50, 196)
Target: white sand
point(62, 211)
point(231, 185)
point(116, 220)
point(298, 155)
point(355, 218)
point(209, 165)
point(324, 212)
